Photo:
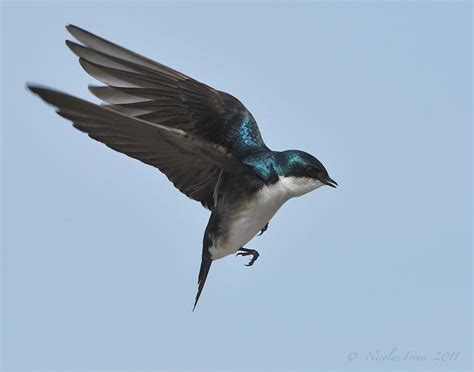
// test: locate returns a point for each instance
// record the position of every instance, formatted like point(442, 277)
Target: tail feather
point(203, 271)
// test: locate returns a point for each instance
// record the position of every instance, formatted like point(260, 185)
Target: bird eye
point(322, 175)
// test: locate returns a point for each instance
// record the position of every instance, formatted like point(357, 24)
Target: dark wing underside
point(177, 153)
point(140, 88)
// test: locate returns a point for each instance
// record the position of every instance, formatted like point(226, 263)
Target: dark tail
point(203, 271)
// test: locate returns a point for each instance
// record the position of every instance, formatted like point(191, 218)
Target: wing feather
point(142, 98)
point(188, 161)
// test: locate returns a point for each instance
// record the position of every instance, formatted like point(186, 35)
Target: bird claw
point(263, 230)
point(248, 252)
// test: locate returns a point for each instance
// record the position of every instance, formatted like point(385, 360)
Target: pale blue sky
point(100, 254)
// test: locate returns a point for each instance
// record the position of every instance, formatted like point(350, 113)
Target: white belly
point(245, 221)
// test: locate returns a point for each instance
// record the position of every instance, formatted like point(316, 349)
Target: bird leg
point(246, 252)
point(263, 230)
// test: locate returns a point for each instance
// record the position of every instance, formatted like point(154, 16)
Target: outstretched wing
point(186, 159)
point(145, 89)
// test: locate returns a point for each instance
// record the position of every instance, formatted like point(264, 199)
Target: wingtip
point(49, 95)
point(80, 34)
point(70, 27)
point(76, 31)
point(41, 91)
point(34, 88)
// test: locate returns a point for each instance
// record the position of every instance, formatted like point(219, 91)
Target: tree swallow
point(204, 140)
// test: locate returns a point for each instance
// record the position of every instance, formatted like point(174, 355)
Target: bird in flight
point(204, 140)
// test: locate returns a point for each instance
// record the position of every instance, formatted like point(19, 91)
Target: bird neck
point(270, 166)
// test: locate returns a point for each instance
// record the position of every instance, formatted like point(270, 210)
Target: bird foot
point(248, 252)
point(263, 230)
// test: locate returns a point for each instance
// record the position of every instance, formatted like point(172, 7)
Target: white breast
point(247, 220)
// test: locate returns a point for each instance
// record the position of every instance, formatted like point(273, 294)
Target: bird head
point(302, 172)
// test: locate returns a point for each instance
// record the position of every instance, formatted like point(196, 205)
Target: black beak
point(330, 182)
